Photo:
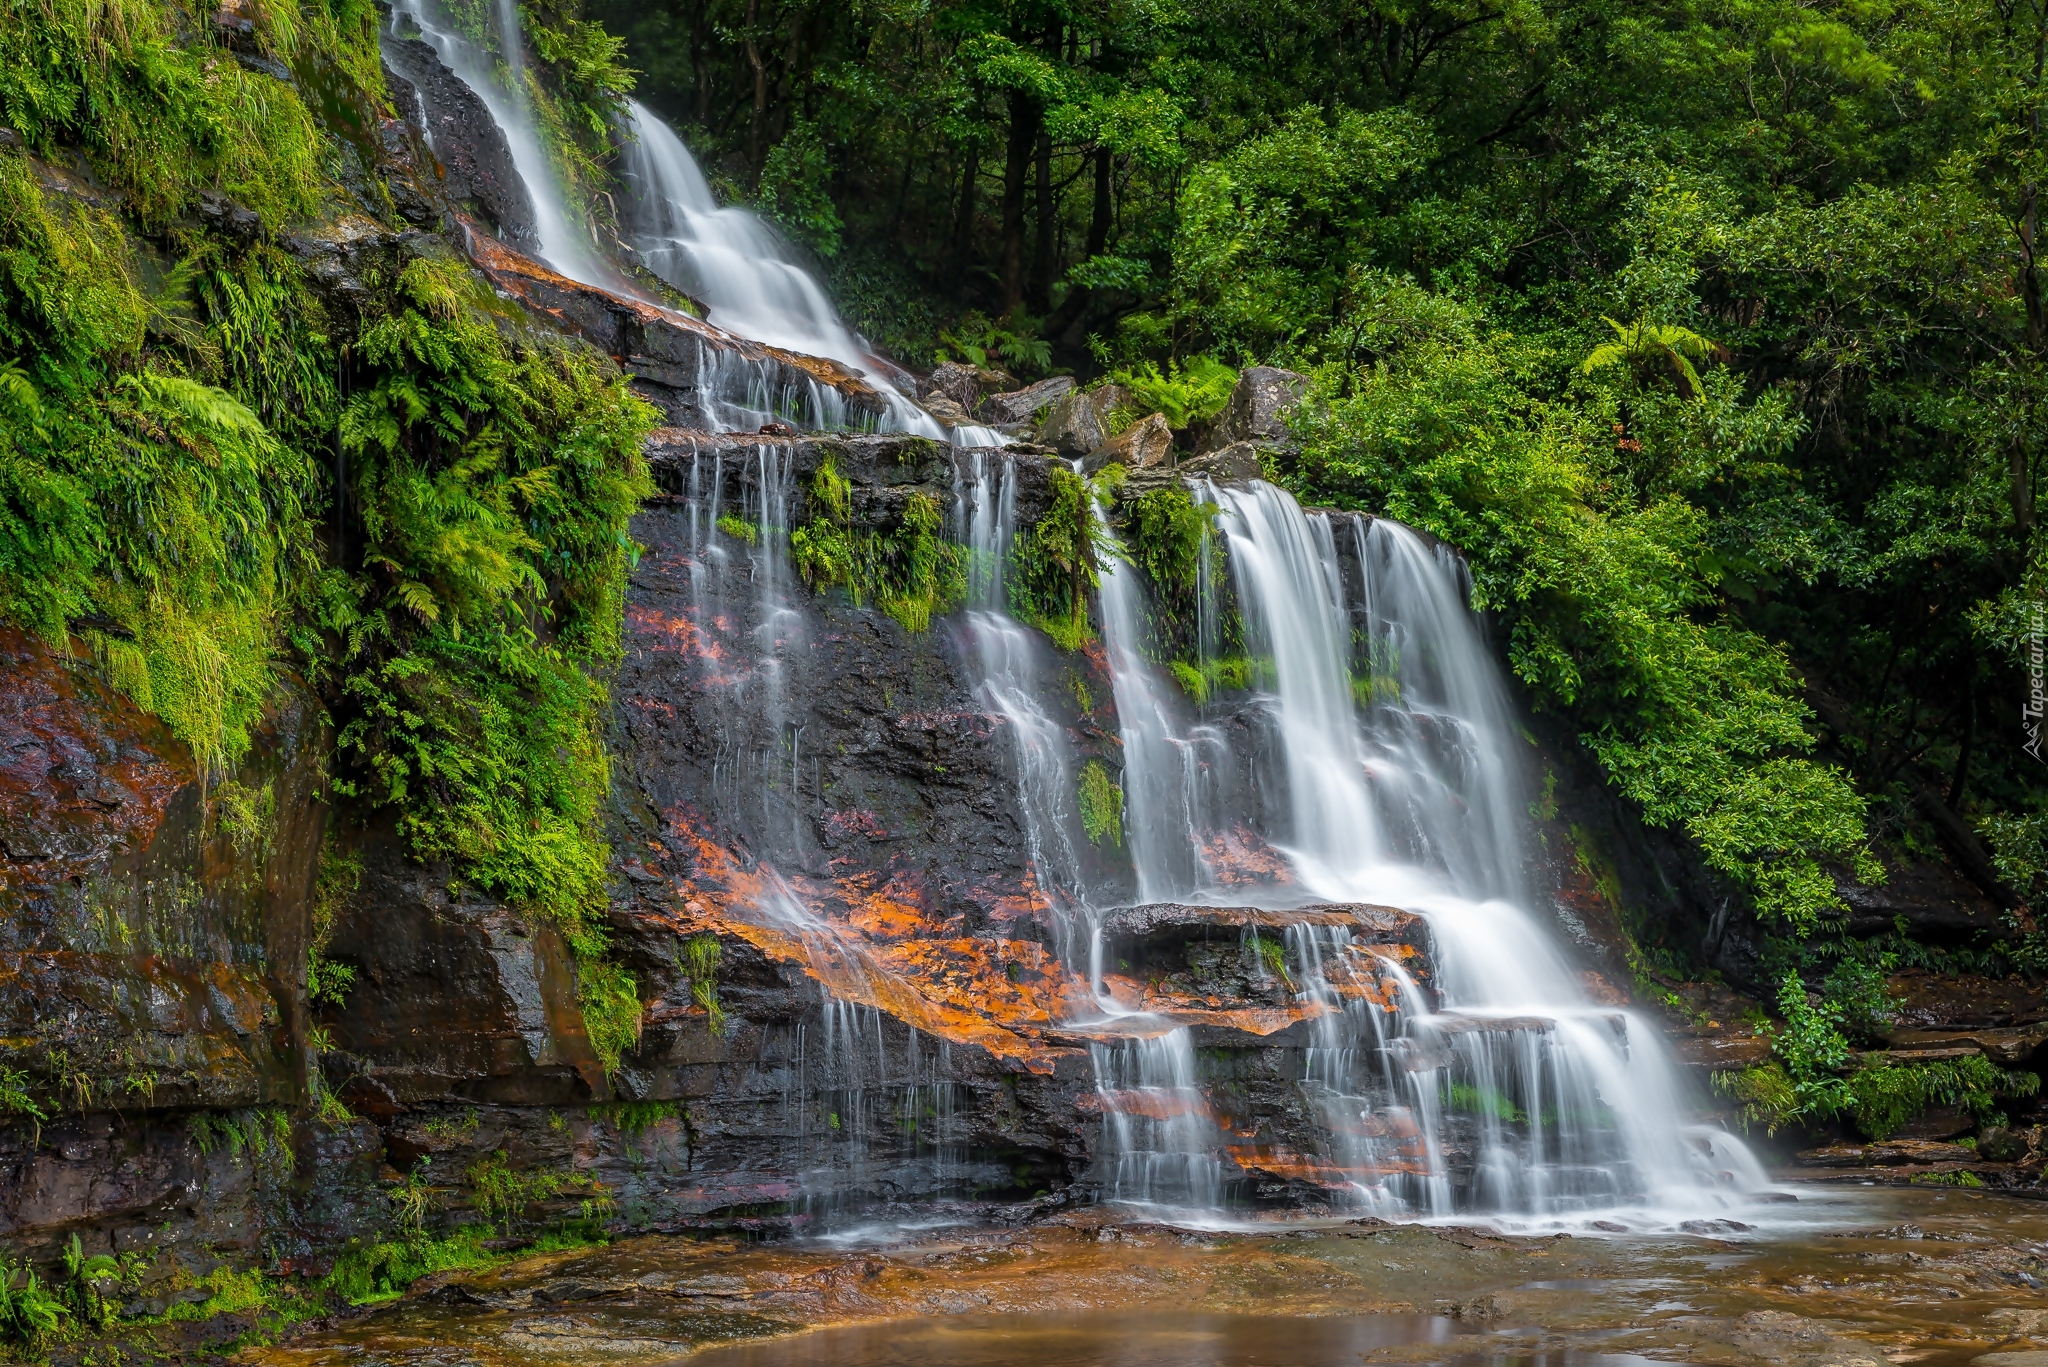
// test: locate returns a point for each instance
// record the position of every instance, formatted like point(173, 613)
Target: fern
point(1646, 343)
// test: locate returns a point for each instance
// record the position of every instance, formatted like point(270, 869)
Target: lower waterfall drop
point(1499, 1088)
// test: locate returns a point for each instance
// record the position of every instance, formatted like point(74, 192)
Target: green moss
point(1102, 805)
point(162, 116)
point(383, 1270)
point(1055, 563)
point(911, 573)
point(1474, 1100)
point(739, 529)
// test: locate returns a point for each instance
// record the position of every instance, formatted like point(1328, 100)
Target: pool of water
point(1104, 1339)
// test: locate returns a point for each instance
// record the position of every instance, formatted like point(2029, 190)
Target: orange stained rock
point(863, 943)
point(1279, 1161)
point(532, 282)
point(1150, 1103)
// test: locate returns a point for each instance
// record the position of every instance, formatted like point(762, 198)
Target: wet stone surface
point(1832, 1280)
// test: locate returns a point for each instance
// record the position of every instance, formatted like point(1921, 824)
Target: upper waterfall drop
point(562, 244)
point(744, 272)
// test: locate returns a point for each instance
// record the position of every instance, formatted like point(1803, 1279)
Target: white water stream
point(724, 256)
point(1399, 770)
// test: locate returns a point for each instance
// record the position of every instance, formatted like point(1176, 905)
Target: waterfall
point(1397, 784)
point(1010, 661)
point(1167, 762)
point(744, 272)
point(724, 256)
point(562, 244)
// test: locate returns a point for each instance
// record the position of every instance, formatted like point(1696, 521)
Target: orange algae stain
point(875, 943)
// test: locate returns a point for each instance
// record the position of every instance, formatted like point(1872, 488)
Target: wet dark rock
point(229, 218)
point(1255, 412)
point(475, 163)
point(1021, 405)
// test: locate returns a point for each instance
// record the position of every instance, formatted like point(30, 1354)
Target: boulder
point(1144, 445)
point(946, 410)
point(1079, 423)
point(1253, 413)
point(1019, 405)
point(965, 385)
point(1237, 463)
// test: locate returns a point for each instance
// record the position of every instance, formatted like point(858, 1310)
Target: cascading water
point(502, 87)
point(725, 256)
point(1398, 768)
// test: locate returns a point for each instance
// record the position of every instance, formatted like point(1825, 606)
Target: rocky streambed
point(1832, 1278)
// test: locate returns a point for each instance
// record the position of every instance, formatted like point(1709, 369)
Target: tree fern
point(1644, 343)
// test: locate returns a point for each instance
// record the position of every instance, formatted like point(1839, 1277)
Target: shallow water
point(1843, 1277)
point(1104, 1339)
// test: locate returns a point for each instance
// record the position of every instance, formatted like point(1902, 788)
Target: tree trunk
point(1098, 223)
point(1961, 778)
point(1024, 120)
point(961, 248)
point(1955, 833)
point(1046, 250)
point(756, 124)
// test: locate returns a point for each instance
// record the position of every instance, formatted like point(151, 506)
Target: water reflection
point(1144, 1340)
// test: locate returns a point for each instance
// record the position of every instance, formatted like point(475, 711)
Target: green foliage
point(1194, 392)
point(638, 1117)
point(1012, 344)
point(1204, 679)
point(1055, 562)
point(382, 1271)
point(1645, 344)
point(334, 891)
point(739, 529)
point(1883, 1096)
point(150, 512)
point(30, 1312)
point(495, 478)
point(92, 1283)
point(1815, 1077)
point(263, 1135)
point(1166, 536)
point(611, 1007)
point(698, 959)
point(577, 86)
point(911, 573)
point(1272, 957)
point(161, 118)
point(1102, 805)
point(14, 1096)
point(1607, 605)
point(795, 189)
point(506, 1196)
